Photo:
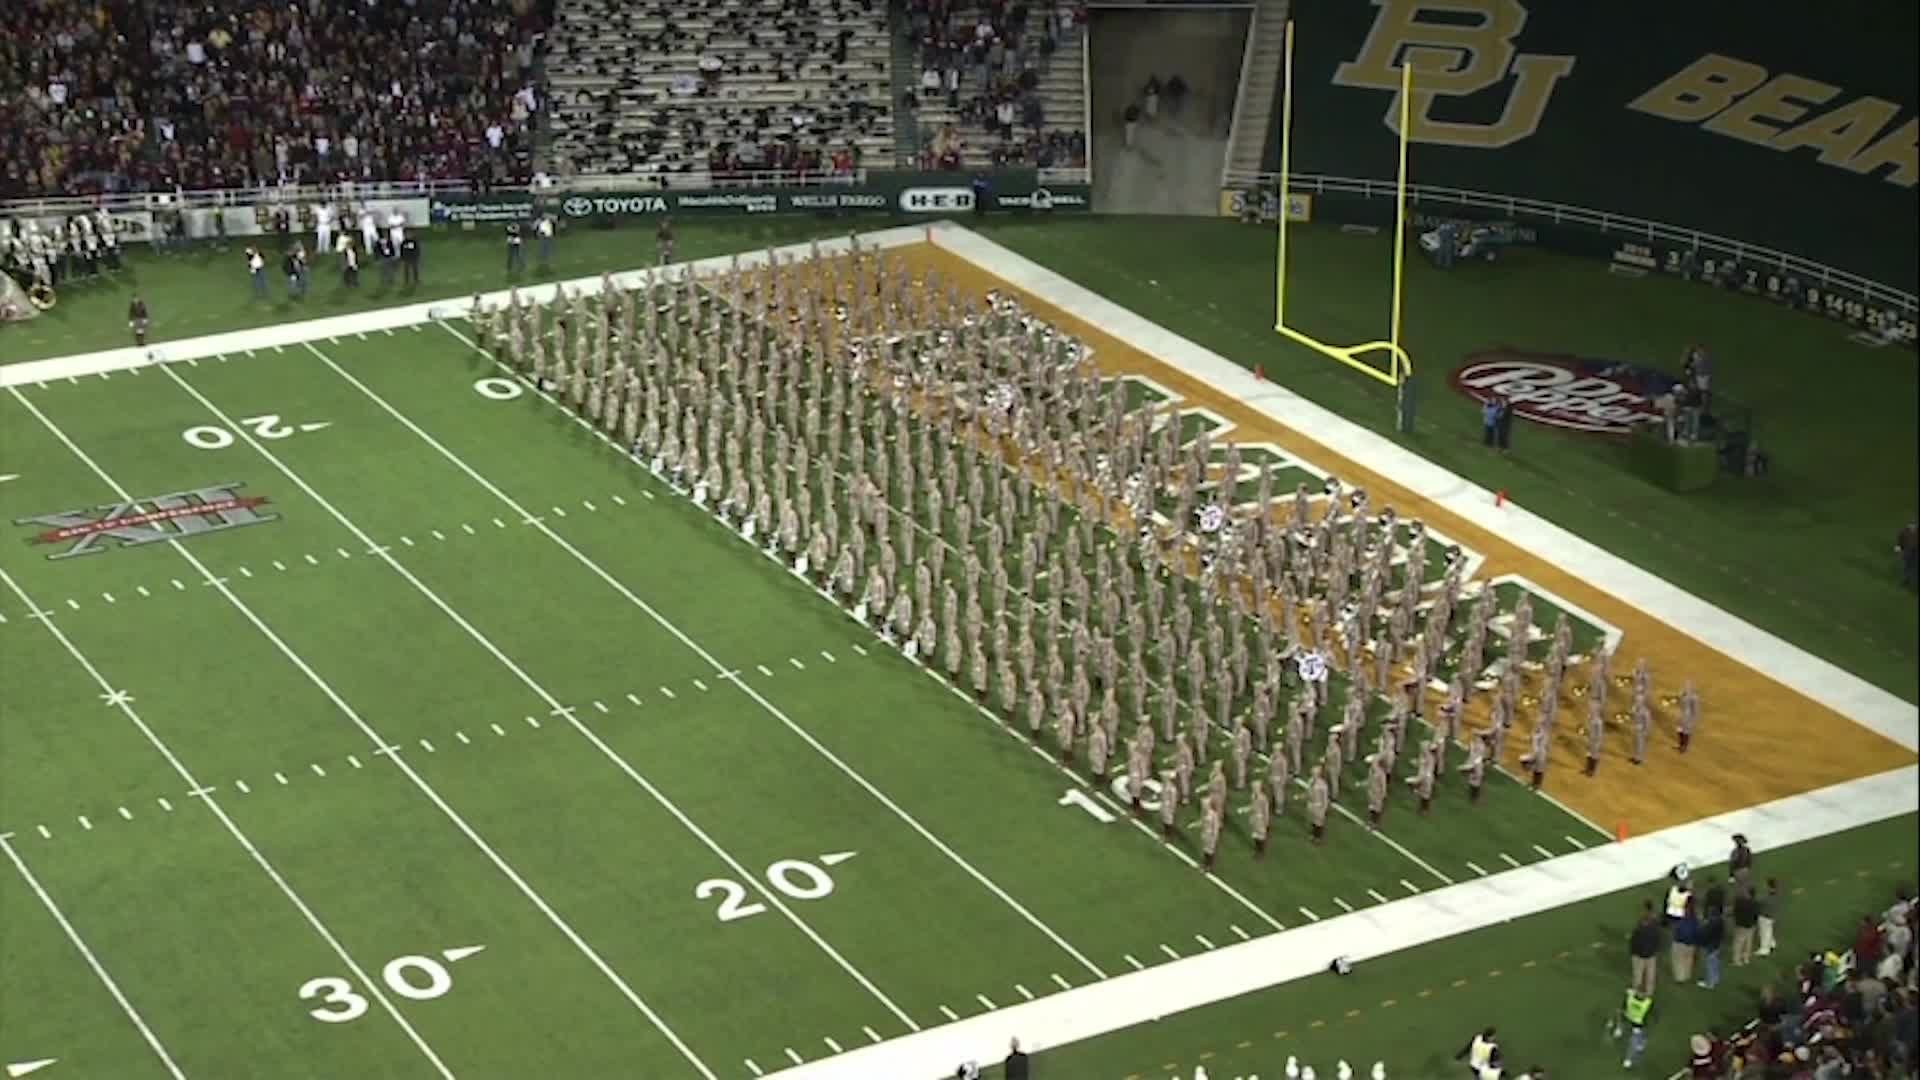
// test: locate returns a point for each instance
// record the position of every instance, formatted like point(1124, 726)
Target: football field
point(368, 714)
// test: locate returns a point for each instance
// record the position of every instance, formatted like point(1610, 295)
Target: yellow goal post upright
point(1399, 373)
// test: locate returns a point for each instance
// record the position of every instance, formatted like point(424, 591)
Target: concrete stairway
point(1254, 111)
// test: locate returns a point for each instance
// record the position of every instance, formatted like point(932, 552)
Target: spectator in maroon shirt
point(1866, 945)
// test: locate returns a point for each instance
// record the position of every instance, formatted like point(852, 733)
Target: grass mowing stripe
point(559, 710)
point(710, 659)
point(86, 953)
point(124, 703)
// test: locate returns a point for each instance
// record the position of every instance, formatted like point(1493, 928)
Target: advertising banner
point(909, 194)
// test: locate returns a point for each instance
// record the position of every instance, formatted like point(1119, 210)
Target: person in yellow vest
point(1632, 1022)
point(1480, 1052)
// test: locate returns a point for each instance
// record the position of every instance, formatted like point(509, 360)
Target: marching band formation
point(960, 475)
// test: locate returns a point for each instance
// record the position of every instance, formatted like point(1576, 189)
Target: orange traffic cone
point(1620, 831)
point(1500, 497)
point(1260, 372)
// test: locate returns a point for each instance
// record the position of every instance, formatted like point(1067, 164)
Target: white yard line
point(713, 662)
point(86, 953)
point(124, 703)
point(348, 711)
point(558, 709)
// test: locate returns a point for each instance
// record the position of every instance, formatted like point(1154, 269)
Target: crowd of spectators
point(1852, 1012)
point(759, 87)
point(111, 95)
point(983, 64)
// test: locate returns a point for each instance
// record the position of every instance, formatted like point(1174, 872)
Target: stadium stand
point(738, 89)
point(1851, 1011)
point(119, 95)
point(998, 86)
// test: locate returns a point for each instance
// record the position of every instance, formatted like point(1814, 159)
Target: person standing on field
point(1259, 818)
point(516, 249)
point(1318, 800)
point(1746, 922)
point(1769, 910)
point(543, 230)
point(1643, 950)
point(1376, 793)
point(1169, 804)
point(1210, 820)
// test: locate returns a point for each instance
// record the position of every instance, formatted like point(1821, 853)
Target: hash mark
point(107, 596)
point(438, 535)
point(1577, 844)
point(984, 1000)
point(242, 785)
point(466, 528)
point(697, 683)
point(72, 603)
point(1168, 949)
point(619, 500)
point(1344, 906)
point(1309, 914)
point(126, 813)
point(353, 761)
point(1476, 869)
point(1375, 893)
point(1510, 860)
point(278, 565)
point(427, 746)
point(666, 691)
point(1064, 984)
point(343, 553)
point(871, 1034)
point(828, 656)
point(588, 503)
point(462, 736)
point(498, 524)
point(282, 777)
point(142, 590)
point(165, 805)
point(831, 1045)
point(860, 650)
point(497, 729)
point(1024, 992)
point(764, 670)
point(85, 824)
point(754, 1069)
point(1241, 934)
point(949, 1013)
point(311, 561)
point(1544, 853)
point(44, 834)
point(648, 494)
point(795, 661)
point(1204, 942)
point(407, 540)
point(317, 770)
point(532, 723)
point(246, 573)
point(557, 512)
point(601, 705)
point(796, 1058)
point(1410, 886)
point(635, 700)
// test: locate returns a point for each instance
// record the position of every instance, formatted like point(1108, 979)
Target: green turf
point(590, 861)
point(1548, 982)
point(463, 661)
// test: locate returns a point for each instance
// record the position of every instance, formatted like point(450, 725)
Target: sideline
point(1209, 977)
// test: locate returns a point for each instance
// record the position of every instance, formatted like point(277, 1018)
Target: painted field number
point(1076, 797)
point(798, 879)
point(416, 978)
point(265, 426)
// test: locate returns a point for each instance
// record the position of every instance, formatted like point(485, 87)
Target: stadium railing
point(399, 189)
point(1561, 213)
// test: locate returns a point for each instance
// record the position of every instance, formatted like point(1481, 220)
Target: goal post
point(1398, 372)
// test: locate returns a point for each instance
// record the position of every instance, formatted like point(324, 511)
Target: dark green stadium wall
point(1678, 112)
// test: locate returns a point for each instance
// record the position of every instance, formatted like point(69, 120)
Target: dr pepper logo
point(1599, 396)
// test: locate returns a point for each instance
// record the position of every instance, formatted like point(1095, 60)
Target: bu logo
point(176, 516)
point(1470, 53)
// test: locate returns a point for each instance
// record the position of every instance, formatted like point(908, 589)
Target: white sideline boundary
point(1205, 978)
